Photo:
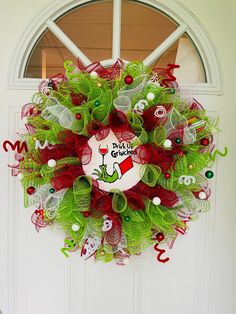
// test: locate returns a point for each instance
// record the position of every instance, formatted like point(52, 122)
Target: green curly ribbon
point(217, 152)
point(82, 188)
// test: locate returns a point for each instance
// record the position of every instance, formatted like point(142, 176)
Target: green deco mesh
point(70, 206)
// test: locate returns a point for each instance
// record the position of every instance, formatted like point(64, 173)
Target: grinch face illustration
point(111, 164)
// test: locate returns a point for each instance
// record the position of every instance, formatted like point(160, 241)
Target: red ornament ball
point(160, 237)
point(129, 79)
point(205, 142)
point(78, 116)
point(167, 175)
point(30, 190)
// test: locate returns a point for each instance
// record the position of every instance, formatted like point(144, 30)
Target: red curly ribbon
point(18, 146)
point(167, 78)
point(160, 253)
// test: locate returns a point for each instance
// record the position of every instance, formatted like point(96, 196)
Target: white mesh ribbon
point(40, 194)
point(175, 119)
point(122, 103)
point(58, 113)
point(189, 136)
point(117, 248)
point(52, 202)
point(137, 86)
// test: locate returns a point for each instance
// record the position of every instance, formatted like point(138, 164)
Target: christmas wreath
point(116, 158)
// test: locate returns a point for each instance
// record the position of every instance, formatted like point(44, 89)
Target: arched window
point(130, 30)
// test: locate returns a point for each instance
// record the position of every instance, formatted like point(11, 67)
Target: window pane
point(143, 29)
point(90, 28)
point(48, 57)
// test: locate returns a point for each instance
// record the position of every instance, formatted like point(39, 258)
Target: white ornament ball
point(167, 143)
point(93, 74)
point(25, 120)
point(156, 200)
point(150, 96)
point(126, 261)
point(52, 163)
point(202, 195)
point(75, 227)
point(20, 176)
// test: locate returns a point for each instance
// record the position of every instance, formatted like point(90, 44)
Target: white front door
point(200, 277)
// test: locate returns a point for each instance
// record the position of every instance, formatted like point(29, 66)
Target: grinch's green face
point(112, 163)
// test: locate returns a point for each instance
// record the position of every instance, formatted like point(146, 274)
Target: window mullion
point(165, 45)
point(67, 42)
point(116, 35)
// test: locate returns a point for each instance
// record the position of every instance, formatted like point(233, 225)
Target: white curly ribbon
point(140, 106)
point(122, 103)
point(189, 136)
point(52, 202)
point(160, 111)
point(153, 80)
point(107, 225)
point(38, 144)
point(186, 180)
point(58, 113)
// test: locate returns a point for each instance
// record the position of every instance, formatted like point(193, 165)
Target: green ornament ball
point(97, 103)
point(127, 218)
point(178, 140)
point(209, 174)
point(52, 190)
